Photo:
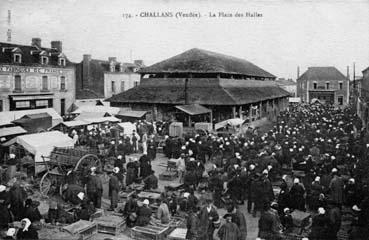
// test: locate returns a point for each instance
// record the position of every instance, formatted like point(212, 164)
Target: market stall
point(41, 144)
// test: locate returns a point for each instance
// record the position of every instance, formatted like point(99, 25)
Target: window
point(315, 85)
point(42, 103)
point(122, 86)
point(61, 62)
point(44, 60)
point(45, 83)
point(17, 83)
point(22, 104)
point(17, 58)
point(1, 105)
point(135, 83)
point(340, 85)
point(340, 100)
point(327, 85)
point(112, 86)
point(62, 83)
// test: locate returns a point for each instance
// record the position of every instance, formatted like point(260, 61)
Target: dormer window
point(44, 60)
point(17, 58)
point(62, 62)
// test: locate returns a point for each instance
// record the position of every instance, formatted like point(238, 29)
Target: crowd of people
point(313, 160)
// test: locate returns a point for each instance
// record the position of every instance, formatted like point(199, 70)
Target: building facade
point(100, 79)
point(33, 77)
point(230, 87)
point(326, 84)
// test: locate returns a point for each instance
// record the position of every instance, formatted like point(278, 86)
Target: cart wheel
point(48, 186)
point(88, 161)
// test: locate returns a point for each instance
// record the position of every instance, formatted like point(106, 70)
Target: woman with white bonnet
point(319, 225)
point(297, 195)
point(10, 234)
point(12, 167)
point(27, 231)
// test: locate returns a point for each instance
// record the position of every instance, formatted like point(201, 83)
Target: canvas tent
point(11, 131)
point(128, 127)
point(41, 144)
point(234, 122)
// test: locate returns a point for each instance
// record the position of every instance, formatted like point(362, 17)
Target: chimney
point(186, 92)
point(86, 75)
point(57, 45)
point(36, 42)
point(348, 73)
point(139, 63)
point(298, 72)
point(112, 59)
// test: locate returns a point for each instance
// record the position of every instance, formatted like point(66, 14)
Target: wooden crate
point(83, 229)
point(149, 232)
point(168, 176)
point(110, 224)
point(178, 234)
point(99, 213)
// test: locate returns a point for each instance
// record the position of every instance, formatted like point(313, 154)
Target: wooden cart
point(64, 163)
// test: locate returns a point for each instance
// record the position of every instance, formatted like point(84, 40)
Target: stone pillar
point(240, 112)
point(234, 111)
point(250, 113)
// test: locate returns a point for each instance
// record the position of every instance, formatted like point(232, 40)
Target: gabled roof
point(322, 74)
point(4, 132)
point(7, 117)
point(30, 55)
point(202, 61)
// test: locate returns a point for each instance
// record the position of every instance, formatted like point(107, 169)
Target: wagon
point(67, 163)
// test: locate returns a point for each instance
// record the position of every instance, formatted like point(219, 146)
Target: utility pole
point(9, 32)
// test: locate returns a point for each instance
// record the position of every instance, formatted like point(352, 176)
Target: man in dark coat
point(17, 197)
point(132, 170)
point(319, 226)
point(208, 216)
point(239, 219)
point(145, 166)
point(268, 225)
point(229, 230)
point(94, 188)
point(336, 187)
point(114, 188)
point(193, 223)
point(130, 210)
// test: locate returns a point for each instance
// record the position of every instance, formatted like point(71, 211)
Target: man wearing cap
point(229, 230)
point(208, 216)
point(114, 188)
point(94, 188)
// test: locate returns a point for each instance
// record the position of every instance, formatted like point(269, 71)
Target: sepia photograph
point(184, 119)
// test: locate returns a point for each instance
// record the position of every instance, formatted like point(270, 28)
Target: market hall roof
point(193, 109)
point(202, 61)
point(217, 92)
point(322, 74)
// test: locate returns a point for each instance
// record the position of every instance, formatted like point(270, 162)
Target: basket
point(110, 224)
point(83, 229)
point(149, 232)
